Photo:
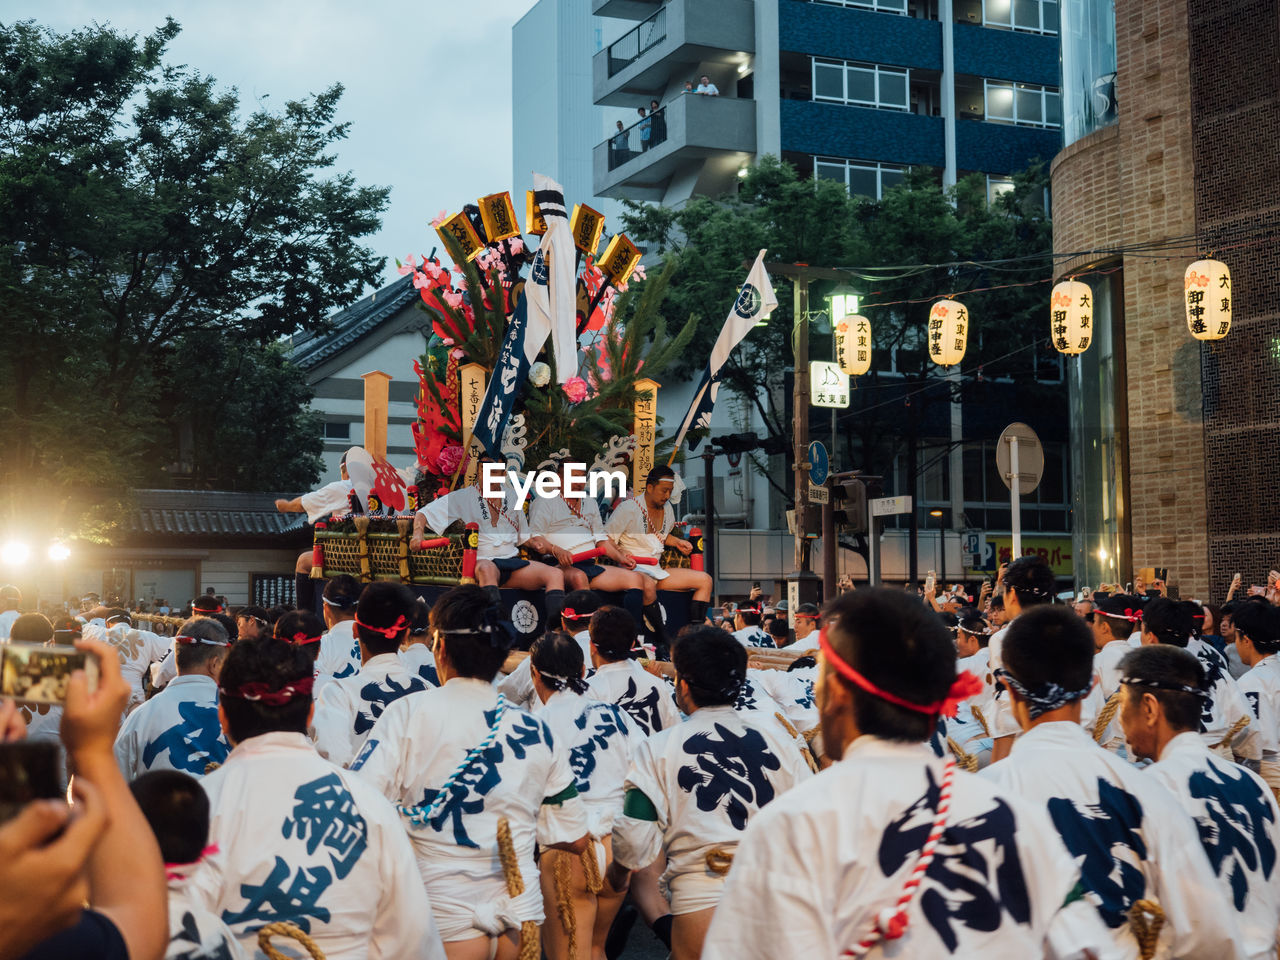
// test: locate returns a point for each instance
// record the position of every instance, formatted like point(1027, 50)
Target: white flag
point(552, 288)
point(755, 301)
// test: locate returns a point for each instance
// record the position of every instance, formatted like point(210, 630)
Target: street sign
point(828, 384)
point(1030, 457)
point(887, 506)
point(819, 494)
point(973, 545)
point(819, 465)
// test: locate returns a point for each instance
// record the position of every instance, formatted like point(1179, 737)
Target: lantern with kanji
point(1071, 317)
point(948, 332)
point(853, 345)
point(1207, 290)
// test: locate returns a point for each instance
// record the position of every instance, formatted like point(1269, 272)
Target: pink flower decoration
point(450, 458)
point(452, 298)
point(456, 354)
point(447, 341)
point(440, 218)
point(409, 266)
point(575, 389)
point(420, 280)
point(432, 269)
point(638, 272)
point(517, 245)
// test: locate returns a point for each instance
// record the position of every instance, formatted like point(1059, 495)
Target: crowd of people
point(652, 125)
point(996, 775)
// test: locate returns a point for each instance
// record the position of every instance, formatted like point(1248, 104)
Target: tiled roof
point(349, 325)
point(212, 513)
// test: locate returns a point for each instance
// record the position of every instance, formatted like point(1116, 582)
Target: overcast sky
point(428, 85)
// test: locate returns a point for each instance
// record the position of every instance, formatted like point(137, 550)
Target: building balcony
point(865, 133)
point(680, 41)
point(625, 9)
point(687, 133)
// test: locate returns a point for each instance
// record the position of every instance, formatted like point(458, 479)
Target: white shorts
point(482, 908)
point(652, 570)
point(691, 892)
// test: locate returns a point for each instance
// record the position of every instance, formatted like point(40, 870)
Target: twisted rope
point(420, 814)
point(286, 930)
point(891, 922)
point(530, 948)
point(795, 735)
point(1146, 929)
point(591, 867)
point(562, 879)
point(1106, 715)
point(719, 860)
point(976, 712)
point(1231, 734)
point(968, 762)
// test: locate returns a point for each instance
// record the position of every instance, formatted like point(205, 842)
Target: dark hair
point(1215, 611)
point(117, 614)
point(1169, 666)
point(342, 593)
point(778, 627)
point(228, 624)
point(475, 642)
point(1260, 622)
point(1168, 620)
point(66, 630)
point(997, 603)
point(277, 664)
point(421, 617)
point(582, 602)
point(658, 474)
point(1195, 613)
point(204, 604)
point(1050, 644)
point(801, 663)
point(303, 622)
point(558, 658)
point(278, 611)
point(189, 656)
point(899, 645)
point(31, 628)
point(1112, 610)
point(712, 663)
point(1031, 580)
point(253, 613)
point(750, 616)
point(387, 605)
point(976, 626)
point(613, 631)
point(177, 809)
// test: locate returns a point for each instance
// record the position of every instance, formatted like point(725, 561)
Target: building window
point(998, 186)
point(337, 430)
point(1024, 104)
point(1030, 16)
point(862, 178)
point(880, 6)
point(860, 84)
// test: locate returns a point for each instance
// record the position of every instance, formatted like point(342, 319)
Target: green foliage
point(142, 209)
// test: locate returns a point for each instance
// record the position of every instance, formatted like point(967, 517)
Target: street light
point(942, 538)
point(844, 302)
point(15, 553)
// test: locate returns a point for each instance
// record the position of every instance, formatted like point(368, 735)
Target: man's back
point(645, 698)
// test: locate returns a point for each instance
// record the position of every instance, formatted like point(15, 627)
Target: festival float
point(587, 394)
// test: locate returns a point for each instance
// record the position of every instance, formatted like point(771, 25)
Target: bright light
point(1102, 554)
point(59, 551)
point(15, 553)
point(742, 173)
point(843, 304)
point(743, 67)
point(935, 513)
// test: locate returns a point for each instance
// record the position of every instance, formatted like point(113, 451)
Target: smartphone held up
point(34, 673)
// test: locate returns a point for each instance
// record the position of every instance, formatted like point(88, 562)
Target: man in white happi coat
point(1258, 641)
point(574, 525)
point(333, 499)
point(178, 728)
point(891, 849)
point(1028, 582)
point(692, 789)
point(177, 810)
point(1227, 723)
point(347, 709)
point(480, 783)
point(747, 630)
point(300, 840)
point(164, 670)
point(972, 634)
point(1130, 836)
point(503, 530)
point(1234, 810)
point(621, 680)
point(641, 527)
point(575, 618)
point(1113, 619)
point(137, 649)
point(339, 651)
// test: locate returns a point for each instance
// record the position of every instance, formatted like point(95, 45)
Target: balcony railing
point(640, 137)
point(633, 44)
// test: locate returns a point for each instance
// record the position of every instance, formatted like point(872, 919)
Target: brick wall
point(1235, 99)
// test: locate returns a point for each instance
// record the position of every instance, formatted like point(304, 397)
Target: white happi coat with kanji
point(413, 751)
point(195, 933)
point(792, 690)
point(302, 841)
point(705, 779)
point(517, 686)
point(177, 729)
point(818, 864)
point(347, 709)
point(137, 649)
point(645, 698)
point(339, 650)
point(1226, 710)
point(1261, 688)
point(1239, 827)
point(1129, 836)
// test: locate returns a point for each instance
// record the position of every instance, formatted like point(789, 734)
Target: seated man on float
point(318, 505)
point(574, 524)
point(641, 527)
point(503, 530)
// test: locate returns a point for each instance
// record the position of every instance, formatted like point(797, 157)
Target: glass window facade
point(862, 178)
point(860, 84)
point(1099, 440)
point(1088, 66)
point(880, 6)
point(1031, 16)
point(1024, 104)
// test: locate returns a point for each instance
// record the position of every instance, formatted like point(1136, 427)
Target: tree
point(142, 208)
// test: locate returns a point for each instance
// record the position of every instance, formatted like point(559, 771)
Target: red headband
point(388, 632)
point(300, 639)
point(262, 692)
point(183, 639)
point(1133, 616)
point(965, 686)
point(571, 614)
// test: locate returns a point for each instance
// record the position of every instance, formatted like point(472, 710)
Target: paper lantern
point(948, 332)
point(586, 225)
point(1071, 317)
point(618, 260)
point(498, 216)
point(460, 238)
point(853, 345)
point(1208, 293)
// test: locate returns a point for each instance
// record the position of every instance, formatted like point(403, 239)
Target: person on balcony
point(657, 123)
point(646, 130)
point(707, 88)
point(619, 147)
